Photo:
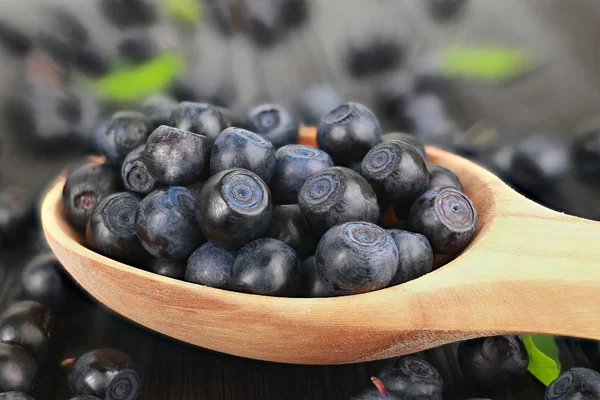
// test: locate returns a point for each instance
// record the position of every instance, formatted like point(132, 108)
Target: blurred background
point(484, 79)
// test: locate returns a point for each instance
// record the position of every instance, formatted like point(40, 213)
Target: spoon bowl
point(528, 270)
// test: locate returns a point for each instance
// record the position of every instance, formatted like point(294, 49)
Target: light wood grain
point(529, 270)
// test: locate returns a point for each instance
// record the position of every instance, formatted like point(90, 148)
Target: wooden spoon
point(529, 270)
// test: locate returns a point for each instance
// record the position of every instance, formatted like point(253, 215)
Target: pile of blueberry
point(25, 332)
point(492, 364)
point(239, 207)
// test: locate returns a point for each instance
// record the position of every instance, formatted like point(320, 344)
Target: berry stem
point(67, 362)
point(379, 385)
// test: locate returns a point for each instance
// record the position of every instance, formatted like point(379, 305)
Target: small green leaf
point(486, 63)
point(544, 363)
point(138, 82)
point(188, 11)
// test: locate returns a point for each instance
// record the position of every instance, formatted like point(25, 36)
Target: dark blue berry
point(15, 213)
point(585, 152)
point(375, 56)
point(91, 61)
point(575, 384)
point(42, 280)
point(14, 39)
point(336, 195)
point(112, 229)
point(107, 373)
point(356, 257)
point(239, 148)
point(15, 396)
point(28, 324)
point(442, 177)
point(201, 118)
point(166, 225)
point(396, 171)
point(210, 266)
point(447, 217)
point(411, 378)
point(539, 163)
point(315, 102)
point(493, 363)
point(311, 284)
point(380, 393)
point(265, 26)
point(267, 267)
point(158, 110)
point(18, 369)
point(406, 138)
point(169, 268)
point(135, 174)
point(415, 257)
point(233, 208)
point(275, 123)
point(295, 12)
point(348, 132)
point(125, 131)
point(84, 188)
point(295, 163)
point(129, 13)
point(288, 225)
point(446, 10)
point(137, 50)
point(429, 118)
point(176, 157)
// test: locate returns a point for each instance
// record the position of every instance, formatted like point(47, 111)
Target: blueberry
point(411, 378)
point(406, 138)
point(356, 257)
point(85, 187)
point(239, 148)
point(18, 369)
point(266, 24)
point(295, 12)
point(15, 213)
point(275, 123)
point(446, 10)
point(493, 362)
point(219, 13)
point(447, 217)
point(137, 50)
point(166, 225)
point(135, 174)
point(201, 118)
point(313, 103)
point(158, 110)
point(295, 163)
point(42, 280)
point(377, 55)
point(311, 285)
point(106, 373)
point(91, 61)
point(392, 97)
point(397, 173)
point(266, 266)
point(176, 157)
point(210, 266)
point(112, 229)
point(234, 207)
point(539, 162)
point(336, 195)
point(575, 384)
point(288, 225)
point(14, 39)
point(125, 131)
point(442, 177)
point(129, 13)
point(28, 324)
point(169, 268)
point(380, 393)
point(415, 257)
point(585, 152)
point(15, 396)
point(429, 118)
point(348, 132)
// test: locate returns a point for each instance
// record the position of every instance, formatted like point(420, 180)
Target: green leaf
point(544, 363)
point(188, 11)
point(486, 63)
point(138, 82)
